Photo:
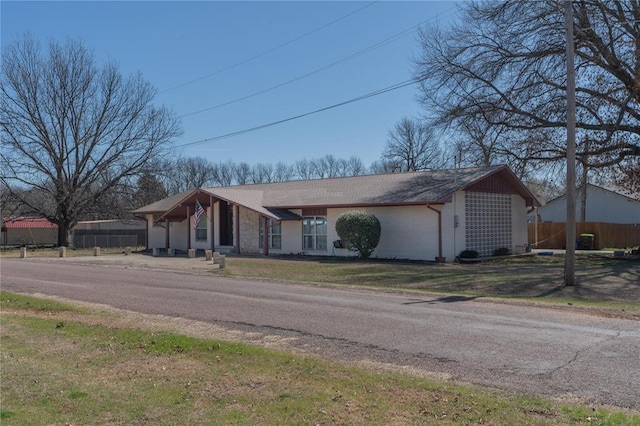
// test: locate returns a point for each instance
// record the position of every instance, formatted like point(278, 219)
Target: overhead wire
point(274, 123)
point(345, 59)
point(359, 53)
point(266, 52)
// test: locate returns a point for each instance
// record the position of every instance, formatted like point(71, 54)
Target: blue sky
point(202, 54)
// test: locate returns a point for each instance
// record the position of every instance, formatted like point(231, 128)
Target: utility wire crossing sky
point(256, 81)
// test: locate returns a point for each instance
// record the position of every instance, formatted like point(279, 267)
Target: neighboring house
point(110, 233)
point(28, 231)
point(424, 215)
point(602, 205)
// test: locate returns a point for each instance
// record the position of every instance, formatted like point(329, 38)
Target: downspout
point(439, 259)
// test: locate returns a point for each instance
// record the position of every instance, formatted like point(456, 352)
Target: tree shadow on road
point(443, 299)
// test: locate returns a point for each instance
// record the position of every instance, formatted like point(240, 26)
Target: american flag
point(196, 216)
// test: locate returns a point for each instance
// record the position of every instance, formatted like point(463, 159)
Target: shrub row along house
point(424, 215)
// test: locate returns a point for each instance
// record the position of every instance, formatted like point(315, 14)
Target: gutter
point(440, 258)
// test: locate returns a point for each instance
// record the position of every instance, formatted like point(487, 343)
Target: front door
point(226, 224)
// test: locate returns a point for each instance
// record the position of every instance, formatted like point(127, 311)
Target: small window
point(274, 231)
point(201, 229)
point(314, 233)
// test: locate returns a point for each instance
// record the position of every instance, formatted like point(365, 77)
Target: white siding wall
point(156, 234)
point(408, 232)
point(602, 206)
point(453, 237)
point(178, 234)
point(518, 223)
point(291, 236)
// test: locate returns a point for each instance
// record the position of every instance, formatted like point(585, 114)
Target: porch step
point(225, 249)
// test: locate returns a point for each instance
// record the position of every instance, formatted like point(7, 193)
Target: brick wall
point(249, 231)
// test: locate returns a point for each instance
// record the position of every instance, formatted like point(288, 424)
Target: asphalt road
point(507, 346)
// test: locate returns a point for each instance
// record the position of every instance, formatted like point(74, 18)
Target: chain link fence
point(105, 241)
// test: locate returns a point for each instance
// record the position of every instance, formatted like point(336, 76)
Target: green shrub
point(468, 254)
point(360, 231)
point(502, 251)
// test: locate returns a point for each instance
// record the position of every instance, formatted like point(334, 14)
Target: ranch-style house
point(432, 215)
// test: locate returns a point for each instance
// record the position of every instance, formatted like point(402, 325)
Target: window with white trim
point(314, 233)
point(274, 232)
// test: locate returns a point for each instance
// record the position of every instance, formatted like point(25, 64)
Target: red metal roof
point(27, 222)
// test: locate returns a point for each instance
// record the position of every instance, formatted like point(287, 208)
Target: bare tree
point(193, 172)
point(627, 177)
point(223, 173)
point(479, 144)
point(73, 131)
point(282, 172)
point(303, 169)
point(319, 168)
point(242, 173)
point(504, 64)
point(383, 166)
point(411, 146)
point(355, 166)
point(262, 173)
point(148, 190)
point(331, 165)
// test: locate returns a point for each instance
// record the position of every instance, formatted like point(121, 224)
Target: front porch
point(198, 220)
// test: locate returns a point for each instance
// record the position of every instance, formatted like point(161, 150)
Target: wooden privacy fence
point(552, 235)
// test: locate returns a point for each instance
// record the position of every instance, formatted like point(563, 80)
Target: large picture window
point(314, 233)
point(274, 234)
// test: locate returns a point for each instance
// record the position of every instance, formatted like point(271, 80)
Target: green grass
point(18, 301)
point(90, 372)
point(602, 281)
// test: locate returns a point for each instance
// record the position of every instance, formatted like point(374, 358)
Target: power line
point(273, 49)
point(274, 123)
point(359, 53)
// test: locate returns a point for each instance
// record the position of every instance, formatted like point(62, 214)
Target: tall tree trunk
point(63, 235)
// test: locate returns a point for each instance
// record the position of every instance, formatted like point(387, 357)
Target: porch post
point(265, 235)
point(166, 234)
point(188, 228)
point(146, 237)
point(211, 230)
point(237, 221)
